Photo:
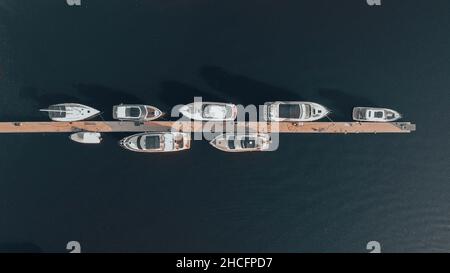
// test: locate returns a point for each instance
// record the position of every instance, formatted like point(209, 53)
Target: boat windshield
point(133, 112)
point(378, 114)
point(149, 142)
point(307, 110)
point(289, 111)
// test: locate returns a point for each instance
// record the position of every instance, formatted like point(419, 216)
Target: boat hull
point(181, 141)
point(362, 114)
point(86, 137)
point(196, 111)
point(271, 111)
point(223, 142)
point(69, 112)
point(149, 112)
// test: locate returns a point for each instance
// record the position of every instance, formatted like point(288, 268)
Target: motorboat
point(375, 114)
point(86, 137)
point(294, 111)
point(248, 142)
point(70, 112)
point(136, 112)
point(157, 142)
point(209, 111)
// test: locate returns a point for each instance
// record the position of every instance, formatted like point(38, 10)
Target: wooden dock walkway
point(188, 126)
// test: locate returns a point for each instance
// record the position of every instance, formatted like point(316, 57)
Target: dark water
point(321, 193)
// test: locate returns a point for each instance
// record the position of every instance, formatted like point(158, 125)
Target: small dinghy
point(157, 142)
point(210, 111)
point(375, 114)
point(70, 112)
point(86, 137)
point(242, 142)
point(136, 112)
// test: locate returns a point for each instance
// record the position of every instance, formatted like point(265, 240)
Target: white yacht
point(294, 111)
point(136, 112)
point(249, 142)
point(86, 137)
point(70, 112)
point(375, 114)
point(157, 142)
point(210, 111)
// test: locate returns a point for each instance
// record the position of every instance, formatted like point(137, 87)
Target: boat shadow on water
point(103, 98)
point(32, 99)
point(95, 95)
point(176, 93)
point(231, 87)
point(245, 90)
point(225, 87)
point(242, 89)
point(341, 103)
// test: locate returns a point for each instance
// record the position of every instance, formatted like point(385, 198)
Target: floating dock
point(215, 127)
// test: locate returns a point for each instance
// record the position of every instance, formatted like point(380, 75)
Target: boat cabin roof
point(133, 111)
point(149, 142)
point(289, 111)
point(215, 111)
point(245, 142)
point(378, 114)
point(248, 142)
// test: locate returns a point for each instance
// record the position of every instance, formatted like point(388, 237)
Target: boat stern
point(270, 111)
point(118, 111)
